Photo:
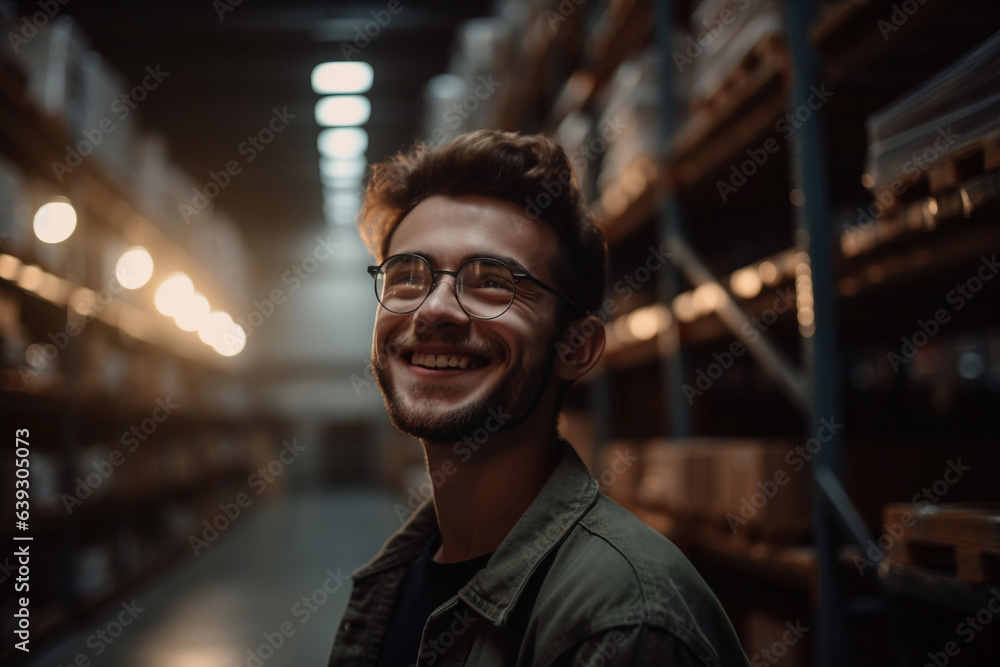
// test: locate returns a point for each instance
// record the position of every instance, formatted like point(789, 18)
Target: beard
point(516, 394)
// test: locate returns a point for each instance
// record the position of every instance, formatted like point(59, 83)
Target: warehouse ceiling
point(231, 63)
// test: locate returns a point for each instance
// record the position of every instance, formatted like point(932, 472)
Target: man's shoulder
point(619, 555)
point(614, 571)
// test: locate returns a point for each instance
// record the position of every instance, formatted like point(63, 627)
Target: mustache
point(462, 344)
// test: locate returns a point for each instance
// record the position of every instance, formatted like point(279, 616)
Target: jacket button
point(347, 626)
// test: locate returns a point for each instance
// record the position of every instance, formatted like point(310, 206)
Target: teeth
point(443, 360)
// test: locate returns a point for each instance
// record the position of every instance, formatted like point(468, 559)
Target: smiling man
point(516, 559)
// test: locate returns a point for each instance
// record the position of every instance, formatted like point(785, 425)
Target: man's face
point(509, 359)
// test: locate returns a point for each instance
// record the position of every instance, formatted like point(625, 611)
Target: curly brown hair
point(530, 171)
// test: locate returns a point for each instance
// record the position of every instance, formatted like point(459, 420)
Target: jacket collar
point(495, 589)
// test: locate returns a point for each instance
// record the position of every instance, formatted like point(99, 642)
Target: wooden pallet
point(951, 194)
point(960, 540)
point(944, 176)
point(750, 101)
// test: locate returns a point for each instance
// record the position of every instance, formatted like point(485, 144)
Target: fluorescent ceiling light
point(342, 77)
point(341, 110)
point(341, 182)
point(351, 168)
point(343, 142)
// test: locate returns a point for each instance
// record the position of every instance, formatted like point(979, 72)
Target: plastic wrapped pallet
point(954, 112)
point(723, 34)
point(630, 121)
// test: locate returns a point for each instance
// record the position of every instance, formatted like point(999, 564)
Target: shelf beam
point(843, 509)
point(770, 357)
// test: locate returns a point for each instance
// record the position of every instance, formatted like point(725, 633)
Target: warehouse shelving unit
point(789, 215)
point(93, 544)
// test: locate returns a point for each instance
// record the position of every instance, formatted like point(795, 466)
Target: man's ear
point(580, 348)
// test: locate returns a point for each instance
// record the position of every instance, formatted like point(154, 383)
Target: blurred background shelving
point(704, 403)
point(137, 431)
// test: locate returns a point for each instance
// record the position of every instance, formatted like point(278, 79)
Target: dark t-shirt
point(427, 586)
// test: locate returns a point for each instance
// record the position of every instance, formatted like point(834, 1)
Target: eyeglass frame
point(518, 276)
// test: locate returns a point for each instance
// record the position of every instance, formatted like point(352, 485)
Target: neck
point(479, 494)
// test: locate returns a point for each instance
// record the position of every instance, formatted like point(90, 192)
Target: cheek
point(382, 337)
point(525, 336)
point(390, 333)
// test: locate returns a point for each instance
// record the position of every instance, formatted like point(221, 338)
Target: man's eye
point(495, 282)
point(407, 278)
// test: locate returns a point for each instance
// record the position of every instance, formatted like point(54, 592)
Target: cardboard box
point(678, 477)
point(760, 486)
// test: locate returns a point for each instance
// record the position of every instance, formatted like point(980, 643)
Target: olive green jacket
point(579, 580)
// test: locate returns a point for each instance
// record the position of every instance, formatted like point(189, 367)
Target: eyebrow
point(506, 259)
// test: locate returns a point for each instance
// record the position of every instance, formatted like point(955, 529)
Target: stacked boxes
point(758, 485)
point(678, 477)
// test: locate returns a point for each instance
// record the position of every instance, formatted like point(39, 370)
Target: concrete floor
point(217, 609)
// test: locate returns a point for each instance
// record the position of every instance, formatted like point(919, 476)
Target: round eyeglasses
point(484, 287)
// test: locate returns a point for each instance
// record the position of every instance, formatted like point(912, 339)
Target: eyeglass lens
point(485, 288)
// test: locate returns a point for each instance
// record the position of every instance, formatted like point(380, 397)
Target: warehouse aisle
point(280, 578)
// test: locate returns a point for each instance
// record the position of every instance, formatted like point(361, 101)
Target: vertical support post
point(677, 417)
point(808, 168)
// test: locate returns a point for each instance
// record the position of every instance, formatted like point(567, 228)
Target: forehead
point(450, 230)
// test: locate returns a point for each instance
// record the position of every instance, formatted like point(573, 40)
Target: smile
point(446, 361)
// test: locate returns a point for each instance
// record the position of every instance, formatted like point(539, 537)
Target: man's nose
point(441, 304)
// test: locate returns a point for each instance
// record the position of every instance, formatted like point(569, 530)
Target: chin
point(441, 413)
point(435, 418)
